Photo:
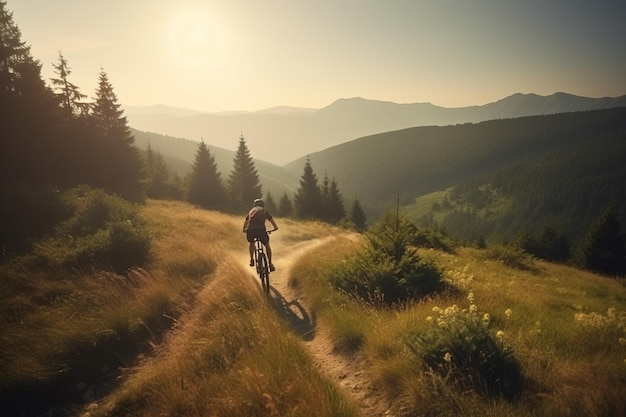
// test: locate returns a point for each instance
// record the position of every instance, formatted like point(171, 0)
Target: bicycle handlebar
point(270, 231)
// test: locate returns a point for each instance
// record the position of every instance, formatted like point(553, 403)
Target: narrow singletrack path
point(350, 373)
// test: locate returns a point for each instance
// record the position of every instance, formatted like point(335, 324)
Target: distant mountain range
point(283, 134)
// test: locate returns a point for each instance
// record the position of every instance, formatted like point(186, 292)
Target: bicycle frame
point(262, 263)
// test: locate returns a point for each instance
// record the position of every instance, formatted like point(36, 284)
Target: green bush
point(432, 239)
point(512, 256)
point(103, 230)
point(387, 270)
point(459, 345)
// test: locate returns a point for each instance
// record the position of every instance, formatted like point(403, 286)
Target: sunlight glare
point(195, 38)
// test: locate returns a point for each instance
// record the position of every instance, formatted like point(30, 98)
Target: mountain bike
point(262, 263)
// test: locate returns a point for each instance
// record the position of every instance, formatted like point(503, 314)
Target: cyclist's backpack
point(256, 217)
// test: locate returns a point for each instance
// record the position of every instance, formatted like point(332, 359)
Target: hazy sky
point(254, 54)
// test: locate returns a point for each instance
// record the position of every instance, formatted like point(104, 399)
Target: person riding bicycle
point(254, 226)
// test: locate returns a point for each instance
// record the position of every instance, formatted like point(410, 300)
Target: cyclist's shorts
point(261, 234)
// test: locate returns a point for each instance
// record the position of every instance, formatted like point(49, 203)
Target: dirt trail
point(351, 374)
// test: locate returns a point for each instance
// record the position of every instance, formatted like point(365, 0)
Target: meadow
point(191, 334)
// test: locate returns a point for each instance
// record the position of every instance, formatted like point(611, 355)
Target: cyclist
point(254, 226)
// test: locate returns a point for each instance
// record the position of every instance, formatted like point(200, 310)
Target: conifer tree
point(116, 159)
point(69, 94)
point(285, 206)
point(243, 183)
point(357, 216)
point(107, 114)
point(158, 183)
point(27, 109)
point(270, 203)
point(602, 249)
point(308, 198)
point(334, 209)
point(205, 184)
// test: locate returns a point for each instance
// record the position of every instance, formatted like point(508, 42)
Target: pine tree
point(602, 249)
point(117, 160)
point(27, 109)
point(107, 114)
point(205, 184)
point(243, 183)
point(357, 216)
point(158, 183)
point(308, 198)
point(285, 206)
point(334, 208)
point(270, 203)
point(69, 94)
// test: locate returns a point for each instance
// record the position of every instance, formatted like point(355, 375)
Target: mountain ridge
point(283, 134)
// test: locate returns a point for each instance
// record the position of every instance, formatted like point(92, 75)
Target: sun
point(195, 38)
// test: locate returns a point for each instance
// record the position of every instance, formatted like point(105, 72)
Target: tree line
point(55, 138)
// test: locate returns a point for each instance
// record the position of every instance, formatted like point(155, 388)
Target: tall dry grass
point(231, 356)
point(226, 351)
point(566, 328)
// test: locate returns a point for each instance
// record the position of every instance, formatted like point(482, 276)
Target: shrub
point(459, 345)
point(387, 270)
point(27, 213)
point(432, 239)
point(512, 256)
point(104, 230)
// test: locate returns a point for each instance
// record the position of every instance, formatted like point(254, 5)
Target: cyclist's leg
point(250, 239)
point(251, 248)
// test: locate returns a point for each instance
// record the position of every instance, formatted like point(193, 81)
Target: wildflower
point(472, 308)
point(435, 309)
point(500, 334)
point(447, 357)
point(508, 312)
point(486, 318)
point(429, 319)
point(611, 313)
point(470, 297)
point(622, 341)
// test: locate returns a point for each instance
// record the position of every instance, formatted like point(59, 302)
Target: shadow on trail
point(294, 314)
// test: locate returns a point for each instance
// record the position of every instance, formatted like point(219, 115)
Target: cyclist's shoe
point(272, 269)
point(251, 262)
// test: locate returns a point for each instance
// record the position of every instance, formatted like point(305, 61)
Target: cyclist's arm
point(274, 224)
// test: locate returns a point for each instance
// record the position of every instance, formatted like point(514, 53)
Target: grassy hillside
point(192, 335)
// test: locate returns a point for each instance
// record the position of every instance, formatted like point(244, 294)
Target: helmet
point(259, 202)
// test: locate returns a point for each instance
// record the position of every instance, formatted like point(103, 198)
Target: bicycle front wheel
point(264, 273)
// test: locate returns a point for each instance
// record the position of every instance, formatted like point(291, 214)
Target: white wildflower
point(500, 334)
point(447, 357)
point(508, 312)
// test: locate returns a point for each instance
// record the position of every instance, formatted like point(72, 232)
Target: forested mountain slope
point(418, 161)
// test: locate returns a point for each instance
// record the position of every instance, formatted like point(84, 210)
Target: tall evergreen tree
point(308, 198)
point(602, 249)
point(270, 203)
point(285, 206)
point(334, 209)
point(28, 109)
point(357, 216)
point(243, 183)
point(107, 114)
point(72, 100)
point(205, 183)
point(117, 159)
point(158, 179)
